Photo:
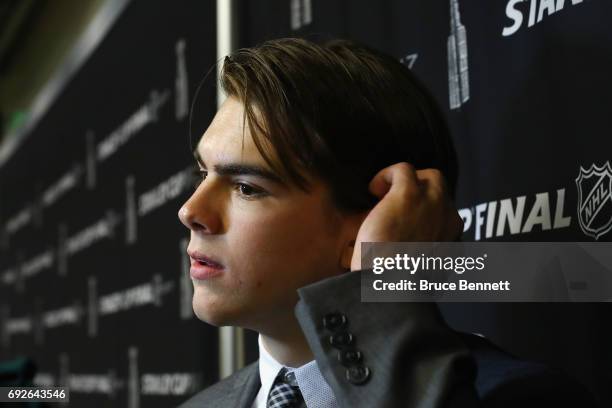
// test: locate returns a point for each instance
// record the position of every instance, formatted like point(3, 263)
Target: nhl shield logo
point(595, 199)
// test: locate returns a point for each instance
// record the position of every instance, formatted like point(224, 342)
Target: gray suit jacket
point(401, 355)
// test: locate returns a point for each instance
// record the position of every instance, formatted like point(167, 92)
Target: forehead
point(228, 137)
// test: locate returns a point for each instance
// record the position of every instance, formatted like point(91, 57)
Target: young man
point(317, 149)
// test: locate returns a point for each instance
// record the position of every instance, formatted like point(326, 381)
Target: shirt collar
point(268, 368)
point(314, 388)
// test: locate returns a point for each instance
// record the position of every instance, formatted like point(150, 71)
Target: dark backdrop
point(92, 263)
point(94, 281)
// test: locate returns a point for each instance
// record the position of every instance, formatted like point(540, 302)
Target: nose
point(198, 214)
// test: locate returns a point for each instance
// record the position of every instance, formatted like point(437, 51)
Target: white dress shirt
point(314, 388)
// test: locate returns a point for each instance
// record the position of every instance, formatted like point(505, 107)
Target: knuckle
point(436, 173)
point(405, 167)
point(438, 178)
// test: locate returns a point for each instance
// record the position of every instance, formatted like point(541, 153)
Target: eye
point(248, 191)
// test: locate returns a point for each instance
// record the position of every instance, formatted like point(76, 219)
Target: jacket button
point(334, 321)
point(341, 339)
point(357, 374)
point(349, 357)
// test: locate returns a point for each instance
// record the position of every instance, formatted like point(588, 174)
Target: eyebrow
point(240, 169)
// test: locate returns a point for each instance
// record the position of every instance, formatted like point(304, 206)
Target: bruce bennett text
point(423, 285)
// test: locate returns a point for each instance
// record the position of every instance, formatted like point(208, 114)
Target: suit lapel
point(247, 389)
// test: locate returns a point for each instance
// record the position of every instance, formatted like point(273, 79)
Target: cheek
point(295, 246)
point(270, 252)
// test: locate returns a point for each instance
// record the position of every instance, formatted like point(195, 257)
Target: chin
point(212, 313)
point(209, 318)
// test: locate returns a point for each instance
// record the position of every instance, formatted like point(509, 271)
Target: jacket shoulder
point(229, 391)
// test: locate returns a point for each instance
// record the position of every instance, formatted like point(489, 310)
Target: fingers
point(404, 177)
point(397, 176)
point(437, 193)
point(433, 182)
point(419, 192)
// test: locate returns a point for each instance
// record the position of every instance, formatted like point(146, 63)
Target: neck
point(287, 343)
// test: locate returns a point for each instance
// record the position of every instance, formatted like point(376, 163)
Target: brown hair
point(338, 111)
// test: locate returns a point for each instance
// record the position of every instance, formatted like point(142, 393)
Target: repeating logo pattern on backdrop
point(91, 305)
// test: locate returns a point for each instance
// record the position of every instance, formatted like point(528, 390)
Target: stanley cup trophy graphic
point(458, 83)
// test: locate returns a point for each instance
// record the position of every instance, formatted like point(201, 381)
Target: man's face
point(269, 237)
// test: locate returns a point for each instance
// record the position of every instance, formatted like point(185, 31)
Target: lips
point(204, 267)
point(204, 260)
